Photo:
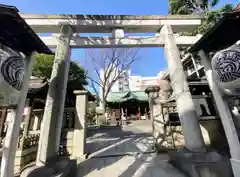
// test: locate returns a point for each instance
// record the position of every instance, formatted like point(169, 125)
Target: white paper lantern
point(226, 69)
point(12, 69)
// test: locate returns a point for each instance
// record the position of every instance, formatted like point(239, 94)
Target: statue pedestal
point(235, 166)
point(208, 164)
point(60, 166)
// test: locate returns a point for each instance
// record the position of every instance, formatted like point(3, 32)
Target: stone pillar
point(11, 139)
point(223, 109)
point(80, 127)
point(2, 121)
point(35, 122)
point(54, 107)
point(159, 124)
point(185, 105)
point(28, 113)
point(234, 106)
point(118, 33)
point(160, 129)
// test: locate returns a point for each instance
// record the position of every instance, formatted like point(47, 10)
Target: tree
point(43, 68)
point(212, 17)
point(203, 7)
point(190, 6)
point(106, 67)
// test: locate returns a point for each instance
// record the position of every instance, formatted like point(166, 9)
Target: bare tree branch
point(95, 63)
point(112, 63)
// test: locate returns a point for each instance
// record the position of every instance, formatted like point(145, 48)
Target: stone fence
point(168, 131)
point(67, 135)
point(28, 145)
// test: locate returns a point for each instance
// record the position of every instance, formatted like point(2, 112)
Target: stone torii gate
point(165, 28)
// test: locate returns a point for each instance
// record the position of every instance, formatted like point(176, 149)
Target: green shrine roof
point(125, 96)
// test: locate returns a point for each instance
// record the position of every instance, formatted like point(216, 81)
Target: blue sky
point(153, 59)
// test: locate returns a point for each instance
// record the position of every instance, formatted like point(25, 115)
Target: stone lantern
point(158, 123)
point(153, 94)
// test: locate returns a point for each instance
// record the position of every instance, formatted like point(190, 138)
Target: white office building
point(139, 83)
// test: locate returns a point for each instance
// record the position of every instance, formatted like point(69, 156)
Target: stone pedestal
point(209, 164)
point(80, 128)
point(236, 167)
point(62, 168)
point(160, 128)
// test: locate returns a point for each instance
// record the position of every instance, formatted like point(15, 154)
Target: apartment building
point(139, 83)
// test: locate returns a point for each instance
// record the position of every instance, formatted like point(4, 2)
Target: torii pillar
point(193, 159)
point(54, 107)
point(188, 116)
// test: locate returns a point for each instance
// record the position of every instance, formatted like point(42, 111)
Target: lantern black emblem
point(226, 65)
point(12, 70)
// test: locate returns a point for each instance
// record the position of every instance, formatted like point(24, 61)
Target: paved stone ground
point(125, 152)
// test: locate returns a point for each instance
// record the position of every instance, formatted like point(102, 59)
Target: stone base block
point(235, 167)
point(62, 168)
point(209, 164)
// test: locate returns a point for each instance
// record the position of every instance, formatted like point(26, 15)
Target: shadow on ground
point(114, 140)
point(123, 153)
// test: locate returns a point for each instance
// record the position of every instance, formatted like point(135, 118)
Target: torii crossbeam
point(106, 23)
point(127, 42)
